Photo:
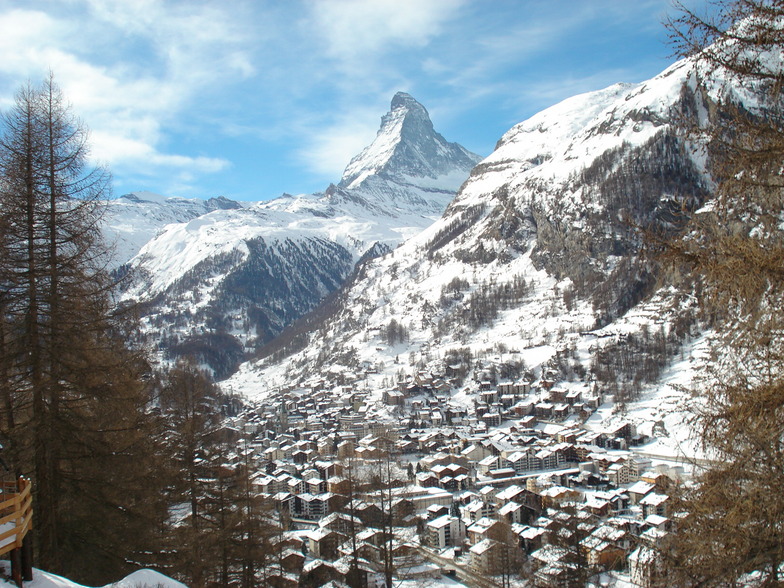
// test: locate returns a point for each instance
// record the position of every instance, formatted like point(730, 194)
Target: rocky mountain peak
point(407, 147)
point(405, 100)
point(413, 114)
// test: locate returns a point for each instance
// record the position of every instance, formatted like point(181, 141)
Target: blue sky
point(248, 99)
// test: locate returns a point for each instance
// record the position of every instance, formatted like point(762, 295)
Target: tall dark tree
point(223, 537)
point(189, 406)
point(74, 403)
point(735, 247)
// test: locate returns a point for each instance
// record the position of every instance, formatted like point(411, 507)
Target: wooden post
point(25, 554)
point(16, 566)
point(27, 558)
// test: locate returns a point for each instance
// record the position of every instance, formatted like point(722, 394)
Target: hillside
point(215, 279)
point(535, 269)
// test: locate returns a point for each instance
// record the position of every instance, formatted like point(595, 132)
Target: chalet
point(323, 543)
point(624, 431)
point(478, 509)
point(662, 481)
point(440, 385)
point(284, 502)
point(567, 436)
point(531, 538)
point(561, 411)
point(484, 528)
point(445, 531)
point(292, 560)
point(508, 494)
point(316, 485)
point(455, 470)
point(475, 452)
point(524, 408)
point(341, 522)
point(551, 567)
point(654, 503)
point(487, 494)
point(370, 536)
point(485, 558)
point(592, 439)
point(657, 522)
point(281, 578)
point(488, 463)
point(645, 567)
point(543, 410)
point(427, 479)
point(557, 395)
point(501, 473)
point(435, 511)
point(556, 495)
point(489, 396)
point(295, 486)
point(370, 514)
point(512, 512)
point(338, 485)
point(393, 398)
point(345, 449)
point(403, 509)
point(605, 548)
point(639, 490)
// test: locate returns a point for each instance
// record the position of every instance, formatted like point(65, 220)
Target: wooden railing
point(16, 514)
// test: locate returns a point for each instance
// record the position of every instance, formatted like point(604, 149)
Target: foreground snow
point(138, 579)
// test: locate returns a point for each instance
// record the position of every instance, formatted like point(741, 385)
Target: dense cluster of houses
point(507, 483)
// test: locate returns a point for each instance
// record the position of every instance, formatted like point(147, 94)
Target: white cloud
point(330, 148)
point(356, 30)
point(129, 68)
point(124, 151)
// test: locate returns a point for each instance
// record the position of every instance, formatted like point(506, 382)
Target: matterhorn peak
point(407, 148)
point(413, 110)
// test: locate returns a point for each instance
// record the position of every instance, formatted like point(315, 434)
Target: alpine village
point(557, 366)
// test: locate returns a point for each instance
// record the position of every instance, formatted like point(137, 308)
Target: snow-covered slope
point(238, 275)
point(133, 219)
point(139, 579)
point(534, 269)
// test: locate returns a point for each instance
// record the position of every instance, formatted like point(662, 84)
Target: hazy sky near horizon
point(248, 99)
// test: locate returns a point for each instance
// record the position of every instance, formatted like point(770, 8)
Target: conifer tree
point(735, 247)
point(74, 402)
point(188, 402)
point(223, 537)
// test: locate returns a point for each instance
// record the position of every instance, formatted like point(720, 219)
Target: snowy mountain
point(221, 279)
point(534, 271)
point(133, 219)
point(410, 155)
